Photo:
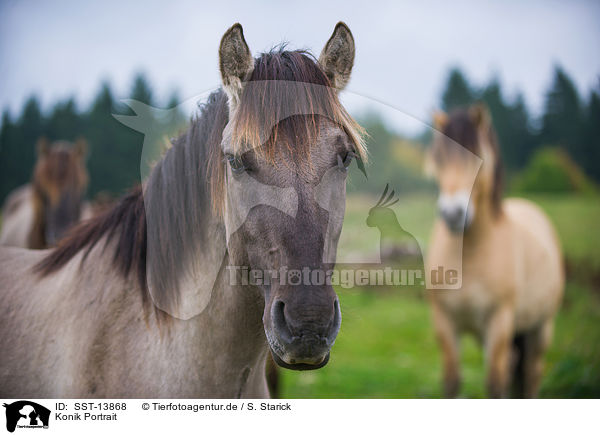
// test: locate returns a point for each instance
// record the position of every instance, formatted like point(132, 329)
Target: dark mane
point(176, 194)
point(126, 221)
point(175, 204)
point(461, 129)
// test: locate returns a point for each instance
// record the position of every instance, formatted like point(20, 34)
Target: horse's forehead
point(317, 157)
point(456, 174)
point(328, 130)
point(60, 155)
point(58, 170)
point(56, 163)
point(61, 147)
point(298, 169)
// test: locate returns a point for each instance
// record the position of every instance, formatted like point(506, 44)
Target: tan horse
point(141, 301)
point(37, 215)
point(512, 270)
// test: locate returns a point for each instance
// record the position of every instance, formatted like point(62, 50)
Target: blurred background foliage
point(552, 170)
point(569, 127)
point(114, 150)
point(386, 347)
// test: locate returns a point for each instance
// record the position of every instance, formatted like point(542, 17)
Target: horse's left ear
point(81, 147)
point(480, 115)
point(235, 62)
point(337, 57)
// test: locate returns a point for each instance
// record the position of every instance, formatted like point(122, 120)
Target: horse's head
point(286, 150)
point(59, 183)
point(464, 140)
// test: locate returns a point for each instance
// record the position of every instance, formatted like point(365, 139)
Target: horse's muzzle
point(301, 338)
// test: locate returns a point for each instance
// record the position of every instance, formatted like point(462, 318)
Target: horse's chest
point(470, 305)
point(482, 291)
point(487, 271)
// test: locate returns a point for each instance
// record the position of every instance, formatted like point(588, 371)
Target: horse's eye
point(344, 162)
point(236, 163)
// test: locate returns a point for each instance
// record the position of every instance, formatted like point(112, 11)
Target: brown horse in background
point(37, 215)
point(512, 271)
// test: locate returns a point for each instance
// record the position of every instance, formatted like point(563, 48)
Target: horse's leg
point(498, 340)
point(536, 343)
point(448, 339)
point(518, 366)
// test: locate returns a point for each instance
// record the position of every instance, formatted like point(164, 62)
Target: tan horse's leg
point(537, 342)
point(448, 339)
point(498, 341)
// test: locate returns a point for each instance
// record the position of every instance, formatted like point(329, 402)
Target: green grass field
point(386, 346)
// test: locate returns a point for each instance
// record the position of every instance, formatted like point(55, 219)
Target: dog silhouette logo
point(26, 414)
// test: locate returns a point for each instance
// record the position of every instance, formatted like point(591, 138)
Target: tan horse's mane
point(188, 182)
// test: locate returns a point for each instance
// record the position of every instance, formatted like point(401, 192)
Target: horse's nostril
point(279, 322)
point(306, 332)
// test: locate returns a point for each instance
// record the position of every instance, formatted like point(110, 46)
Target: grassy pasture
point(386, 348)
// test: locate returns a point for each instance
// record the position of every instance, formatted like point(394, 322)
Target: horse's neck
point(223, 348)
point(483, 222)
point(220, 351)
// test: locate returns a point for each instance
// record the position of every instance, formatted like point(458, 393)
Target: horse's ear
point(337, 57)
point(81, 147)
point(235, 62)
point(480, 115)
point(42, 146)
point(440, 120)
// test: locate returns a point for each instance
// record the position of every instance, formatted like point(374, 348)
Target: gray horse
point(141, 301)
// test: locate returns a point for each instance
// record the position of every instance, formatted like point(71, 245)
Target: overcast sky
point(56, 49)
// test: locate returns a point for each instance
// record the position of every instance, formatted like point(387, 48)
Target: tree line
point(114, 150)
point(568, 121)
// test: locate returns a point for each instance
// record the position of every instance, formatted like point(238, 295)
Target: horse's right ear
point(42, 146)
point(235, 62)
point(337, 57)
point(81, 147)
